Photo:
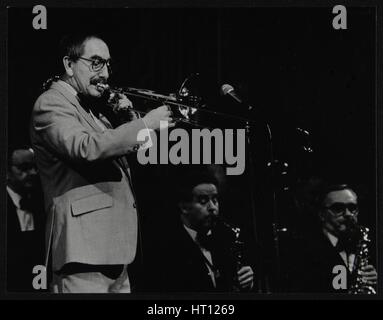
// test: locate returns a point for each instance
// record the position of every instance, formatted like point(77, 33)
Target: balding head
point(22, 173)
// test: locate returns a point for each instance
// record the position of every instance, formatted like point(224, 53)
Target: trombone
point(183, 105)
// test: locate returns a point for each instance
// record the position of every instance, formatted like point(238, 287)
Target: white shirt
point(205, 252)
point(25, 217)
point(348, 260)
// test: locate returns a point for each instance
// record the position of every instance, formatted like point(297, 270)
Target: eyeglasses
point(98, 64)
point(339, 208)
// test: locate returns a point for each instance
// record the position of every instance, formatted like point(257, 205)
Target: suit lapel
point(197, 259)
point(120, 162)
point(328, 254)
point(74, 101)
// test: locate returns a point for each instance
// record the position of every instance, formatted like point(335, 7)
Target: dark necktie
point(26, 204)
point(346, 245)
point(204, 240)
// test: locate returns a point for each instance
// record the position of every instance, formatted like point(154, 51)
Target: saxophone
point(237, 245)
point(236, 249)
point(358, 285)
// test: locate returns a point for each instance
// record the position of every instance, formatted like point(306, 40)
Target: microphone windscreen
point(226, 88)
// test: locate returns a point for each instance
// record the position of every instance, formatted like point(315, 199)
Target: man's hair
point(191, 177)
point(72, 45)
point(325, 189)
point(12, 149)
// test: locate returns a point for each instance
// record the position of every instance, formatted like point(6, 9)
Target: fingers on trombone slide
point(168, 117)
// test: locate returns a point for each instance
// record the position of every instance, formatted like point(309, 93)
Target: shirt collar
point(193, 233)
point(333, 239)
point(15, 197)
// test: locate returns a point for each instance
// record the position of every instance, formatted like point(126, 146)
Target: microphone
point(227, 89)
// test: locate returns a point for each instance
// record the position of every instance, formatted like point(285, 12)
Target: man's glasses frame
point(98, 64)
point(339, 208)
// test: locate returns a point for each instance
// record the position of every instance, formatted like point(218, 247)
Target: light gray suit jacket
point(90, 204)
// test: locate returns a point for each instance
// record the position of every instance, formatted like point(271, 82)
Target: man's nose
point(348, 213)
point(104, 72)
point(212, 206)
point(32, 171)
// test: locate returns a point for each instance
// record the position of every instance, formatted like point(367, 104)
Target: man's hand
point(245, 278)
point(121, 104)
point(153, 118)
point(369, 275)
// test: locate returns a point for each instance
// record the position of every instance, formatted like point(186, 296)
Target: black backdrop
point(288, 62)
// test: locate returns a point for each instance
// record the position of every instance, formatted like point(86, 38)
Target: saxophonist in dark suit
point(25, 220)
point(197, 250)
point(337, 241)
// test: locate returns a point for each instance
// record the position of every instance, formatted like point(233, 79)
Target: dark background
point(287, 62)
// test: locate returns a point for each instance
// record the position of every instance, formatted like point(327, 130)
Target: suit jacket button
point(136, 147)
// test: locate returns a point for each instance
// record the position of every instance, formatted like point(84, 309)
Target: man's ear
point(182, 207)
point(321, 215)
point(68, 66)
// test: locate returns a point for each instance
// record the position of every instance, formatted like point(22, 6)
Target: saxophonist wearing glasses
point(335, 258)
point(88, 192)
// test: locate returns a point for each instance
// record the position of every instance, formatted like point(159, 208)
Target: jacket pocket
point(91, 203)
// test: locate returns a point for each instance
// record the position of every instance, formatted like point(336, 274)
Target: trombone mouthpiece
point(102, 86)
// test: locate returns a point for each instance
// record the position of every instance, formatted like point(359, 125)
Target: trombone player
point(89, 199)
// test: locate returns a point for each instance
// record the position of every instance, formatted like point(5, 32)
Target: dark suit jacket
point(312, 260)
point(24, 249)
point(178, 264)
point(90, 207)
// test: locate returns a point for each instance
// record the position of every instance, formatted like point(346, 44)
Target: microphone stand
point(275, 222)
point(275, 230)
point(251, 177)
